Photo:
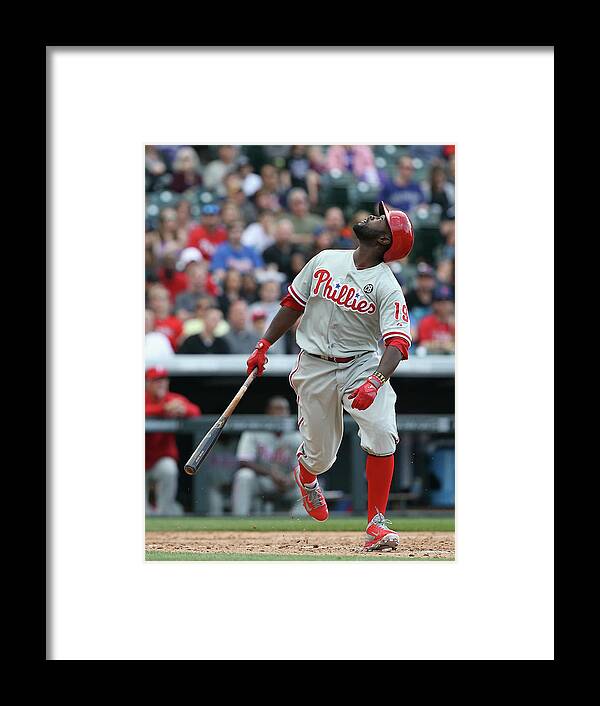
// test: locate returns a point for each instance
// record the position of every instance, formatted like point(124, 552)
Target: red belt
point(333, 359)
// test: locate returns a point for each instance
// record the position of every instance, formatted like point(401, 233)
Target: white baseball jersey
point(269, 447)
point(347, 310)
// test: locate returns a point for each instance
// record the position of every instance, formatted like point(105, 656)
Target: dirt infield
point(434, 545)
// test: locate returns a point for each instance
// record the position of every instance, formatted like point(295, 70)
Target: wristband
point(379, 376)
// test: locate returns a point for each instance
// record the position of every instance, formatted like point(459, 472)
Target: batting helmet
point(401, 228)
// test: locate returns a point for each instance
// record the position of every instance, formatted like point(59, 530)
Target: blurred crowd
point(228, 227)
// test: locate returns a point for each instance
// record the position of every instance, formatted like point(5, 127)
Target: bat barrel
point(195, 460)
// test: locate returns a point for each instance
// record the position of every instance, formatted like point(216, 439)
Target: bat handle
point(200, 452)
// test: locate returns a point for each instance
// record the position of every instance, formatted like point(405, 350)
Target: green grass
point(282, 524)
point(221, 556)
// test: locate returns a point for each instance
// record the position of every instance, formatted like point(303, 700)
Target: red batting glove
point(259, 359)
point(364, 396)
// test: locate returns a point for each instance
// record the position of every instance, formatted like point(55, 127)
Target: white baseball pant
point(164, 474)
point(322, 389)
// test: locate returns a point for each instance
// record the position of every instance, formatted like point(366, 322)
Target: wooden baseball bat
point(201, 452)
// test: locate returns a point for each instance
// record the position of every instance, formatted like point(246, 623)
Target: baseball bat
point(202, 450)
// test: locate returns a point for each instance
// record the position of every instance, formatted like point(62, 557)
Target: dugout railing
point(408, 427)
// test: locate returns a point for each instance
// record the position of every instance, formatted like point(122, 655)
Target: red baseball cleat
point(379, 536)
point(312, 499)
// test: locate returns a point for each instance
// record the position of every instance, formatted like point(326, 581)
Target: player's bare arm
point(364, 396)
point(284, 319)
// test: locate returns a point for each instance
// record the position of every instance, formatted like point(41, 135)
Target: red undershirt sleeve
point(400, 343)
point(289, 301)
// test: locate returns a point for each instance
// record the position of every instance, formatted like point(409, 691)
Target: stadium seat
point(363, 196)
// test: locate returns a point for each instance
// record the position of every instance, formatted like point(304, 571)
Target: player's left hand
point(364, 396)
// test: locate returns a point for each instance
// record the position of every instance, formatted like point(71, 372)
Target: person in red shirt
point(160, 303)
point(170, 277)
point(161, 450)
point(436, 331)
point(210, 233)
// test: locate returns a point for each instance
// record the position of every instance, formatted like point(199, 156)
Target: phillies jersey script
point(347, 310)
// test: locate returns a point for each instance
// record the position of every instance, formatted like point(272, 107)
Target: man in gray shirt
point(239, 338)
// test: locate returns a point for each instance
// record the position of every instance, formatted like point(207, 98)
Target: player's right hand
point(259, 359)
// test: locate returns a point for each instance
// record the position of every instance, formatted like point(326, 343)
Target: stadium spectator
point(405, 272)
point(354, 159)
point(420, 299)
point(155, 167)
point(259, 318)
point(239, 339)
point(159, 302)
point(268, 300)
point(185, 222)
point(151, 271)
point(299, 173)
point(188, 255)
point(249, 287)
point(281, 252)
point(216, 171)
point(169, 238)
point(271, 182)
point(170, 277)
point(206, 341)
point(157, 347)
point(233, 255)
point(235, 195)
point(436, 331)
point(169, 152)
point(197, 287)
point(266, 201)
point(305, 223)
point(445, 272)
point(186, 170)
point(260, 235)
point(195, 324)
point(266, 463)
point(322, 241)
point(425, 153)
point(297, 262)
point(401, 192)
point(161, 450)
point(318, 159)
point(230, 214)
point(210, 233)
point(232, 290)
point(441, 192)
point(335, 225)
point(446, 251)
point(251, 182)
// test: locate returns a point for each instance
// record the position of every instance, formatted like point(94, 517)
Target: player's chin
point(363, 232)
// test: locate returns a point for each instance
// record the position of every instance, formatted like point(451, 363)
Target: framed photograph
point(343, 405)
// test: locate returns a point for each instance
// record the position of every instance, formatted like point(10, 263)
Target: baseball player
point(349, 300)
point(266, 461)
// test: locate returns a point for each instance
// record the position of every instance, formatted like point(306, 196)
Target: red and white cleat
point(379, 536)
point(312, 499)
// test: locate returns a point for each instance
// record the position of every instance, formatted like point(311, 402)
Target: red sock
point(306, 476)
point(380, 470)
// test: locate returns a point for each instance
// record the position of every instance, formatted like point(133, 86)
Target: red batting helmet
point(401, 228)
